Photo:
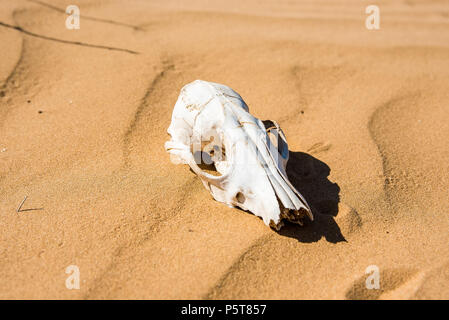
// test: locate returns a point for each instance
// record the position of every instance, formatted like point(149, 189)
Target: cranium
point(211, 127)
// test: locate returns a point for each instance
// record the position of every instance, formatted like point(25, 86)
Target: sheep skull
point(211, 126)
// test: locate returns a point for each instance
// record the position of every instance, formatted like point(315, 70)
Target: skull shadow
point(309, 176)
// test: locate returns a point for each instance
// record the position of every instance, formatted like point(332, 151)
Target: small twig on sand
point(19, 209)
point(21, 204)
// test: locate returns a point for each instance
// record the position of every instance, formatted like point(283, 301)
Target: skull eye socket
point(240, 197)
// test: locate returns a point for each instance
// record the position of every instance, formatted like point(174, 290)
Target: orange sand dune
point(83, 119)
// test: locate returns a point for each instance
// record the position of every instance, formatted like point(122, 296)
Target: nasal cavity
point(240, 197)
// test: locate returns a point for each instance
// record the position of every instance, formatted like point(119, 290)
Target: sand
point(83, 119)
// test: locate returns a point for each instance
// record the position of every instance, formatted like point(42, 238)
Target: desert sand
point(83, 119)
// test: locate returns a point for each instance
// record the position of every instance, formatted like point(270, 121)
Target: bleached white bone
point(211, 124)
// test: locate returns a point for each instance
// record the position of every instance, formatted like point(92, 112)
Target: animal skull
point(211, 127)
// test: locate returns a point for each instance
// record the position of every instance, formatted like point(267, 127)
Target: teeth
point(252, 173)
